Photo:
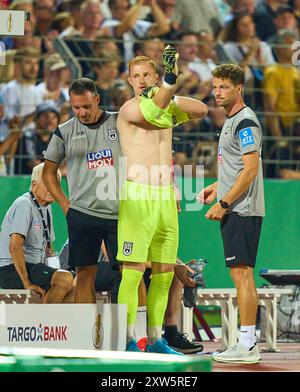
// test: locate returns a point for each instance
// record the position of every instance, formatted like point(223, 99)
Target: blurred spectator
point(282, 89)
point(168, 8)
point(43, 11)
point(224, 8)
point(66, 79)
point(190, 66)
point(19, 95)
point(35, 139)
point(18, 41)
point(205, 160)
point(184, 141)
point(6, 140)
point(92, 18)
point(125, 23)
point(3, 122)
point(196, 15)
point(81, 44)
point(212, 124)
point(61, 22)
point(206, 56)
point(284, 19)
point(105, 45)
point(24, 5)
point(109, 86)
point(152, 48)
point(75, 27)
point(51, 89)
point(29, 39)
point(245, 48)
point(295, 4)
point(238, 7)
point(246, 6)
point(65, 115)
point(289, 157)
point(264, 18)
point(196, 142)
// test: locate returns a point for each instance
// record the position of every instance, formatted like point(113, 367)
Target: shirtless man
point(148, 224)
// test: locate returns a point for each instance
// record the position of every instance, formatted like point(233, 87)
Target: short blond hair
point(141, 59)
point(26, 52)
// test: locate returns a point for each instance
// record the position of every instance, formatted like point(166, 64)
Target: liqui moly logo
point(41, 333)
point(99, 158)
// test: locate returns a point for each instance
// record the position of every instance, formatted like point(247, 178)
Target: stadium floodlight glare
point(13, 22)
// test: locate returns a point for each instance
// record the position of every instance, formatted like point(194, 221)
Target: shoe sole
point(164, 353)
point(246, 360)
point(188, 350)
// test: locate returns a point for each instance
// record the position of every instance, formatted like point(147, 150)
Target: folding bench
point(15, 296)
point(227, 300)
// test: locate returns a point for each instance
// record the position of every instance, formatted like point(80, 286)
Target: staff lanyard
point(46, 226)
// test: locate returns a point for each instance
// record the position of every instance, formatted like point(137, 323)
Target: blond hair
point(141, 59)
point(86, 3)
point(26, 52)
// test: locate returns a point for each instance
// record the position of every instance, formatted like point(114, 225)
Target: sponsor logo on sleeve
point(247, 138)
point(100, 158)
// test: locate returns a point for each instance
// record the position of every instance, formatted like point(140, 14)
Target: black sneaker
point(180, 342)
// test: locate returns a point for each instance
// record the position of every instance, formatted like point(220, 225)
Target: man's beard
point(28, 79)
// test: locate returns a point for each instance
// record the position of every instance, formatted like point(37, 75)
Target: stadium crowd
point(65, 39)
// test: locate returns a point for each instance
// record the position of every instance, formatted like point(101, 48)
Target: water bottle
point(198, 265)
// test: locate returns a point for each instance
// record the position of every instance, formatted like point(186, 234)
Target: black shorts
point(86, 233)
point(39, 274)
point(240, 236)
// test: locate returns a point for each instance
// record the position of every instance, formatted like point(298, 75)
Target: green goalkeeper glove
point(169, 61)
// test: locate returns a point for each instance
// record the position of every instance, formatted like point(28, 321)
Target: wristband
point(170, 79)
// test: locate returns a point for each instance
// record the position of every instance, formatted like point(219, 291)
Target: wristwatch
point(224, 204)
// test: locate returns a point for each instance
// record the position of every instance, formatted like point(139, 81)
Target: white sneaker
point(238, 354)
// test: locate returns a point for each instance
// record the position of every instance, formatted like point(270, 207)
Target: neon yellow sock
point(157, 301)
point(128, 294)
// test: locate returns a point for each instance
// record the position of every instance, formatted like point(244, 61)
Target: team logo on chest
point(226, 133)
point(112, 134)
point(127, 248)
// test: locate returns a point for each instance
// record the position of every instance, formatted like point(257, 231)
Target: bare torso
point(148, 149)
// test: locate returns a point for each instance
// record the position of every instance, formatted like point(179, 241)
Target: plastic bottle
point(198, 266)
